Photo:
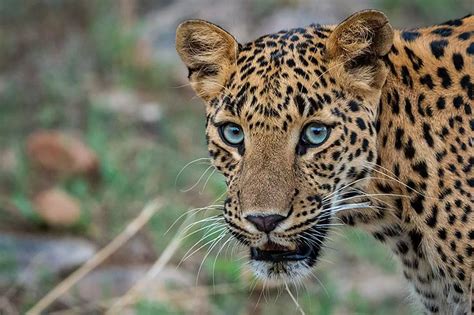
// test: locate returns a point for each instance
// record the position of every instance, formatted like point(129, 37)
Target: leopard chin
point(284, 265)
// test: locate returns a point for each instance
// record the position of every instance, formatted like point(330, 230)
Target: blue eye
point(315, 134)
point(232, 134)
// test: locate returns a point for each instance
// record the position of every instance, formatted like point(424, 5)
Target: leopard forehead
point(282, 77)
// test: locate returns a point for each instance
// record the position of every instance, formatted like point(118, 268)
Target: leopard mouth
point(276, 254)
point(278, 263)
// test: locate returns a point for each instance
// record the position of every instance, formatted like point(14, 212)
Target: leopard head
point(291, 124)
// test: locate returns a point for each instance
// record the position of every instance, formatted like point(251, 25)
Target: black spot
point(458, 61)
point(452, 219)
point(408, 110)
point(395, 103)
point(379, 236)
point(427, 134)
point(409, 150)
point(301, 88)
point(398, 138)
point(433, 308)
point(469, 250)
point(470, 49)
point(353, 137)
point(416, 238)
point(457, 101)
point(468, 86)
point(428, 81)
point(442, 233)
point(416, 61)
point(458, 288)
point(354, 106)
point(464, 36)
point(437, 47)
point(417, 204)
point(410, 36)
point(456, 22)
point(301, 73)
point(385, 188)
point(361, 123)
point(470, 182)
point(402, 247)
point(441, 103)
point(446, 81)
point(433, 218)
point(406, 78)
point(443, 32)
point(300, 104)
point(421, 168)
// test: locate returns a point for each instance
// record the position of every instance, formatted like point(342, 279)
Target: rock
point(34, 257)
point(57, 208)
point(59, 153)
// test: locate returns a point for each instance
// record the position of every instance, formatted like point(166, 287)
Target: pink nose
point(265, 223)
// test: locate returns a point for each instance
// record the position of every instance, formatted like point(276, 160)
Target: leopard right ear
point(209, 52)
point(358, 43)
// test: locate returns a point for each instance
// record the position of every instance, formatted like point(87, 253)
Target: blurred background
point(96, 119)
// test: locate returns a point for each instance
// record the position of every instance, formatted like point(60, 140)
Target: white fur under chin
point(292, 271)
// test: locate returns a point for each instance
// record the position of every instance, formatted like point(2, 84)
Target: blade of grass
point(298, 307)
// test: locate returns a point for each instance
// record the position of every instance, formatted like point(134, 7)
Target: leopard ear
point(357, 43)
point(209, 52)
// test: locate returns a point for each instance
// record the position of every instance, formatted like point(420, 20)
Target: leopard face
point(291, 123)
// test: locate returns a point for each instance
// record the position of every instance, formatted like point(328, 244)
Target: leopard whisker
point(195, 212)
point(215, 259)
point(404, 185)
point(207, 180)
point(217, 240)
point(208, 219)
point(200, 229)
point(187, 255)
point(187, 165)
point(198, 181)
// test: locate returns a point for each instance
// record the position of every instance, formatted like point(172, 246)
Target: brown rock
point(57, 208)
point(58, 153)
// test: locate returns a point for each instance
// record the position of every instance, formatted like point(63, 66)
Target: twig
point(131, 295)
point(131, 229)
point(298, 307)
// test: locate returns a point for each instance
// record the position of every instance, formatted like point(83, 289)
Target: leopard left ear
point(357, 44)
point(209, 52)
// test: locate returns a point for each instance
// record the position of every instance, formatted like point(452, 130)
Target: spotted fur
point(398, 161)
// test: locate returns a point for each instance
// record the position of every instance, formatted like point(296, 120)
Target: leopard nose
point(265, 223)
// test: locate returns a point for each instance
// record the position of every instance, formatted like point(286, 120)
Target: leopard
point(356, 124)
